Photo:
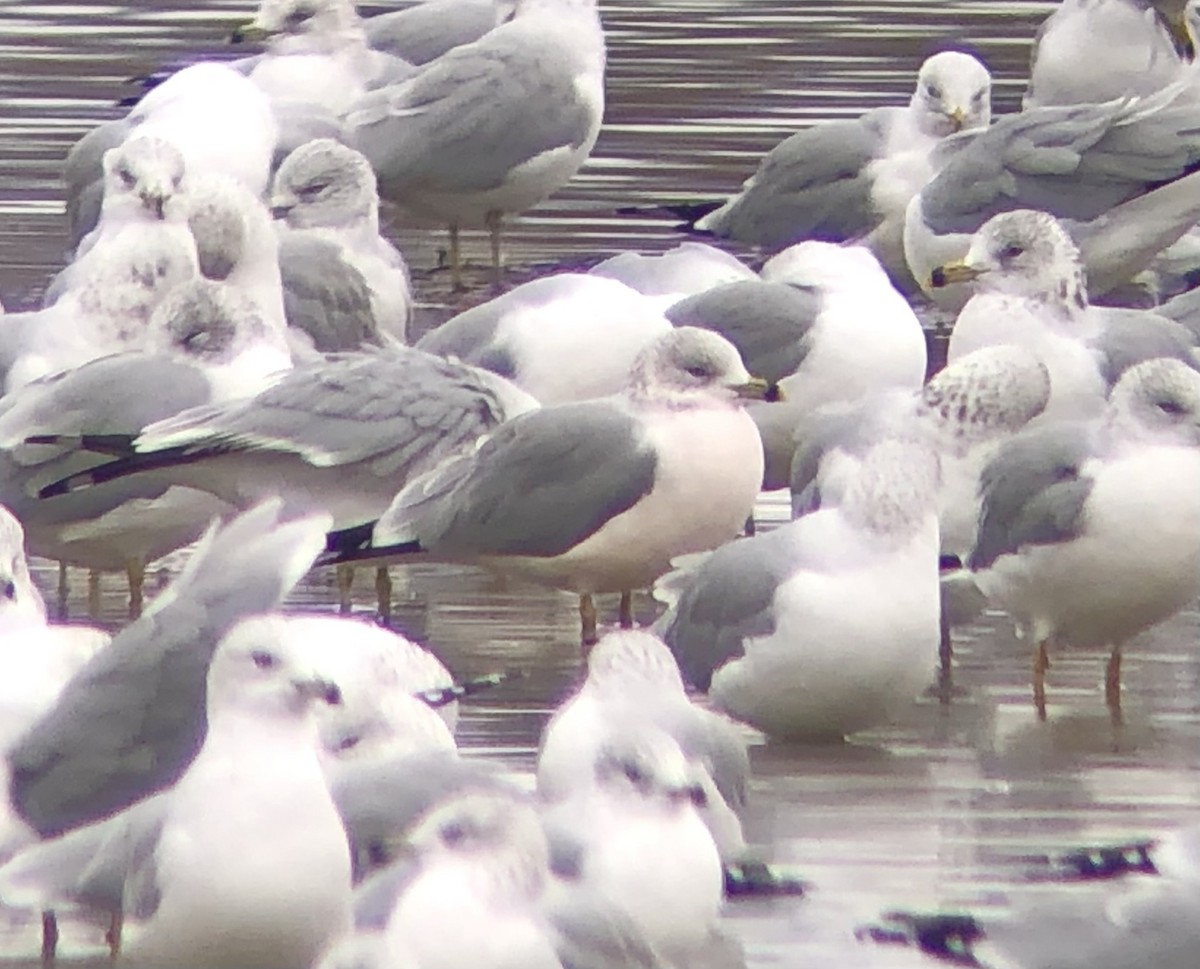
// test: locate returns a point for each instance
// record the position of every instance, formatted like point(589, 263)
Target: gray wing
point(591, 932)
point(425, 31)
point(375, 898)
point(716, 742)
point(301, 122)
point(769, 323)
point(83, 173)
point(727, 601)
point(1131, 336)
point(1185, 310)
point(1074, 162)
point(324, 295)
point(1033, 491)
point(813, 185)
point(396, 408)
point(468, 118)
point(538, 485)
point(132, 719)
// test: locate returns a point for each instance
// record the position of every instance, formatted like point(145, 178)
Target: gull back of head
point(631, 659)
point(688, 364)
point(1028, 253)
point(141, 177)
point(1158, 401)
point(323, 183)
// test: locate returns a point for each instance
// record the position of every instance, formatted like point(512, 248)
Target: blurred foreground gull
point(243, 861)
point(829, 624)
point(560, 338)
point(1116, 173)
point(1030, 291)
point(129, 723)
point(825, 324)
point(597, 496)
point(1143, 913)
point(851, 180)
point(339, 273)
point(493, 127)
point(1090, 532)
point(1089, 51)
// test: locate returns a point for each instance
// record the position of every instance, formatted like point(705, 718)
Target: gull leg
point(945, 659)
point(64, 590)
point(345, 579)
point(626, 609)
point(93, 594)
point(113, 935)
point(49, 937)
point(135, 571)
point(587, 617)
point(456, 281)
point(493, 220)
point(1112, 684)
point(383, 592)
point(1041, 663)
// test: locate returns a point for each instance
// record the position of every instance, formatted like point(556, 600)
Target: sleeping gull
point(827, 625)
point(1089, 51)
point(1090, 533)
point(597, 496)
point(560, 338)
point(688, 269)
point(1116, 173)
point(244, 862)
point(493, 127)
point(851, 180)
point(825, 324)
point(327, 208)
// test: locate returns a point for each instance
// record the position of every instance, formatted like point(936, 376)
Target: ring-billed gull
point(492, 127)
point(825, 324)
point(1030, 289)
point(325, 199)
point(597, 496)
point(1146, 45)
point(424, 31)
point(561, 338)
point(1090, 533)
point(1115, 172)
point(826, 625)
point(851, 180)
point(131, 720)
point(245, 861)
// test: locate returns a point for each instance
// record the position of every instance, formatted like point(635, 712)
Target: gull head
point(205, 322)
point(143, 178)
point(279, 21)
point(1157, 401)
point(690, 365)
point(630, 658)
point(255, 672)
point(953, 93)
point(19, 599)
point(644, 768)
point(1023, 253)
point(230, 226)
point(324, 184)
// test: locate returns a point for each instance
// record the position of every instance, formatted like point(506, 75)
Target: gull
point(825, 325)
point(129, 723)
point(424, 31)
point(596, 496)
point(243, 861)
point(1116, 173)
point(668, 277)
point(204, 344)
point(1090, 533)
point(330, 249)
point(632, 678)
point(1030, 290)
point(561, 338)
point(851, 180)
point(829, 624)
point(492, 127)
point(1147, 45)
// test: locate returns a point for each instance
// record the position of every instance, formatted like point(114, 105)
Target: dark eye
point(127, 177)
point(1011, 252)
point(349, 743)
point(933, 90)
point(697, 796)
point(263, 660)
point(453, 834)
point(633, 774)
point(699, 371)
point(298, 16)
point(9, 589)
point(312, 190)
point(977, 97)
point(1168, 406)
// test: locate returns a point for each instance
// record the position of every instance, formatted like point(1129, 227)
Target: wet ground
point(941, 810)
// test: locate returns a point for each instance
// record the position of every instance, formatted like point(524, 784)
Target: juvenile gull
point(827, 625)
point(851, 180)
point(1090, 533)
point(244, 862)
point(493, 127)
point(597, 496)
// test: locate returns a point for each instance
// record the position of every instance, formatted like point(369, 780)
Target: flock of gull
point(224, 363)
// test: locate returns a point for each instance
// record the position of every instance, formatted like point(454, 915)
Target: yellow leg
point(493, 222)
point(587, 618)
point(64, 590)
point(345, 581)
point(945, 660)
point(49, 937)
point(136, 573)
point(1112, 684)
point(383, 592)
point(1041, 663)
point(113, 935)
point(627, 610)
point(93, 594)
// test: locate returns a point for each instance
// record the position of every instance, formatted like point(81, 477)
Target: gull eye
point(1169, 406)
point(453, 834)
point(298, 16)
point(699, 371)
point(312, 190)
point(349, 743)
point(263, 660)
point(9, 589)
point(1011, 252)
point(933, 90)
point(128, 179)
point(697, 796)
point(634, 774)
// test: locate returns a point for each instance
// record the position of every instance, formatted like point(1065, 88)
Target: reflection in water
point(946, 807)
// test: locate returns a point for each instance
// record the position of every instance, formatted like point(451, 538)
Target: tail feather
point(689, 212)
point(349, 545)
point(480, 684)
point(124, 466)
point(118, 445)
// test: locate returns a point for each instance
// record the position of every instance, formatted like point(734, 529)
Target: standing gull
point(493, 127)
point(597, 496)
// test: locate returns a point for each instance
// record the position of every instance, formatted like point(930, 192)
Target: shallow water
point(941, 810)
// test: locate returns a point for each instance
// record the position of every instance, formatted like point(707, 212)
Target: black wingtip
point(937, 278)
point(688, 212)
point(444, 696)
point(949, 937)
point(758, 879)
point(1098, 864)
